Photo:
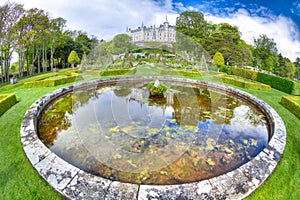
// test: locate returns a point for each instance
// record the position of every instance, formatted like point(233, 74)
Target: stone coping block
point(74, 183)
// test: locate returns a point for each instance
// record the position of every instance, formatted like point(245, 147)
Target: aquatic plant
point(156, 88)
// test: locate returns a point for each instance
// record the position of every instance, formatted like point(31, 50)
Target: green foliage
point(282, 84)
point(121, 71)
point(178, 72)
point(6, 102)
point(244, 83)
point(122, 44)
point(157, 90)
point(245, 73)
point(265, 53)
point(73, 58)
point(292, 104)
point(218, 59)
point(53, 81)
point(284, 67)
point(192, 24)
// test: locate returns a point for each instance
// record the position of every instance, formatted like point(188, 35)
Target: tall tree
point(37, 23)
point(9, 15)
point(193, 24)
point(56, 36)
point(265, 52)
point(121, 44)
point(297, 66)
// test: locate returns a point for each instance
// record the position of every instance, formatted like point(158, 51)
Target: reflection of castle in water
point(189, 107)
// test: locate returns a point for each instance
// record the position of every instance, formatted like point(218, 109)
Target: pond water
point(118, 131)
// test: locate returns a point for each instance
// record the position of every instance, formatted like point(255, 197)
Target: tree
point(9, 15)
point(265, 52)
point(297, 66)
point(122, 44)
point(37, 24)
point(56, 36)
point(194, 25)
point(218, 60)
point(73, 58)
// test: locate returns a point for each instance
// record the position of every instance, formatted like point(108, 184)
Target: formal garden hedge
point(292, 104)
point(118, 71)
point(6, 102)
point(180, 72)
point(245, 73)
point(53, 81)
point(244, 83)
point(283, 84)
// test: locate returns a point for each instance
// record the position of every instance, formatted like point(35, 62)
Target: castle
point(165, 33)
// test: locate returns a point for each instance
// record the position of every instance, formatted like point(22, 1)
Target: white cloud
point(282, 29)
point(105, 18)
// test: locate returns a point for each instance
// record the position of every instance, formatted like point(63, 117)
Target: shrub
point(53, 82)
point(6, 102)
point(292, 104)
point(176, 72)
point(245, 73)
point(282, 84)
point(244, 83)
point(115, 72)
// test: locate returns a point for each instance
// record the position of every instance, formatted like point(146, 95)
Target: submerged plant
point(156, 88)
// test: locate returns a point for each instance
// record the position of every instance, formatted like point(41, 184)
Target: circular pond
point(198, 134)
point(120, 132)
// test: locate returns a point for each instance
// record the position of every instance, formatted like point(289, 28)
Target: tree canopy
point(226, 39)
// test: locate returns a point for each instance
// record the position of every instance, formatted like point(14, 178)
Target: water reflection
point(121, 133)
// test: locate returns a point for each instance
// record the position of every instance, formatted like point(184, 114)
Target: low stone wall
point(74, 183)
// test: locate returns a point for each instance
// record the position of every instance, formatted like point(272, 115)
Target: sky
point(278, 19)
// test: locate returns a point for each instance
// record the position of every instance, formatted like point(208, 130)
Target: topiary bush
point(6, 102)
point(292, 104)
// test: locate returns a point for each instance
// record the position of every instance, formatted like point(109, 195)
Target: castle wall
point(163, 33)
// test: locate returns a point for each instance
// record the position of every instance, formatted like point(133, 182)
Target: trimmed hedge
point(245, 84)
point(245, 73)
point(115, 72)
point(176, 72)
point(52, 82)
point(292, 104)
point(6, 102)
point(282, 84)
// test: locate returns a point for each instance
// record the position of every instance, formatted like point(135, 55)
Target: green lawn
point(18, 179)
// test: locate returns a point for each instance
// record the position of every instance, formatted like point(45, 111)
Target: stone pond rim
point(73, 183)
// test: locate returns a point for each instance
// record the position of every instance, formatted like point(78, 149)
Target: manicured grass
point(18, 179)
